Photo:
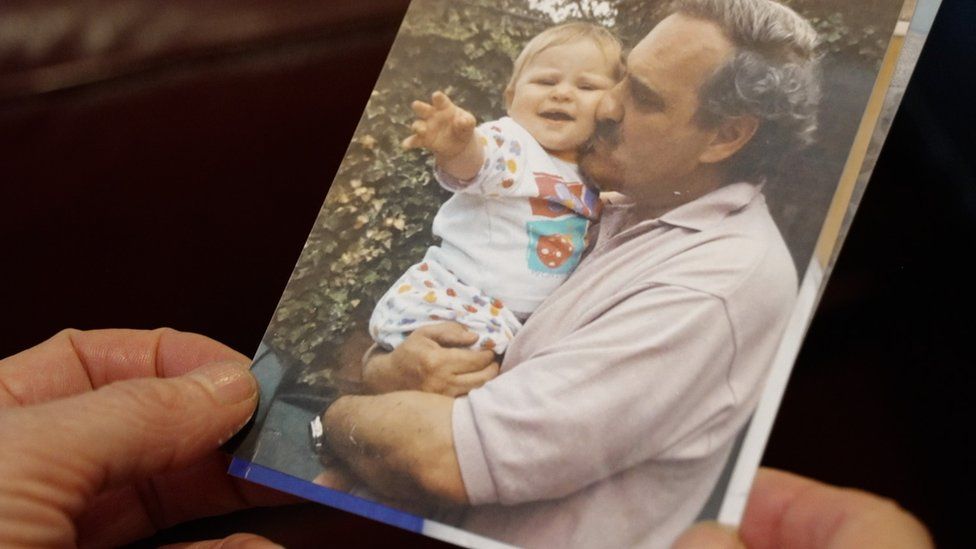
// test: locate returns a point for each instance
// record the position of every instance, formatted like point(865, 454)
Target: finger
point(465, 383)
point(421, 109)
point(440, 101)
point(449, 334)
point(123, 432)
point(237, 541)
point(464, 123)
point(419, 128)
point(73, 362)
point(462, 361)
point(136, 511)
point(412, 142)
point(785, 510)
point(708, 535)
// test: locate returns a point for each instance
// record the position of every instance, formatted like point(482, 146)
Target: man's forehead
point(681, 42)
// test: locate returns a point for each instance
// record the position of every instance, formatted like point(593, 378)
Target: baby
point(516, 225)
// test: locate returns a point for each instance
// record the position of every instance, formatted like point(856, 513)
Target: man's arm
point(409, 453)
point(583, 410)
point(400, 444)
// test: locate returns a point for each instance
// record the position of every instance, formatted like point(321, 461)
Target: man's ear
point(731, 135)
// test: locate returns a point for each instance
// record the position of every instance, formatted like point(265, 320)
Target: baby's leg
point(429, 294)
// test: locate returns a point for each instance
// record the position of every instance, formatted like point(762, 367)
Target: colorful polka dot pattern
point(428, 294)
point(500, 171)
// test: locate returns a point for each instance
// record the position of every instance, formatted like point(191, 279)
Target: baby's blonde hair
point(565, 34)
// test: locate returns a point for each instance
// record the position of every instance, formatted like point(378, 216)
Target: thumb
point(709, 535)
point(75, 447)
point(237, 541)
point(450, 334)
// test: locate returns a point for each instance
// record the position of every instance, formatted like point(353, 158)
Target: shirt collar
point(697, 215)
point(712, 208)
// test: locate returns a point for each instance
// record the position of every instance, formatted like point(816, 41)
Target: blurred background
point(161, 164)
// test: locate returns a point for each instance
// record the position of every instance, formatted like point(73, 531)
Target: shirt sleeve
point(648, 379)
point(502, 169)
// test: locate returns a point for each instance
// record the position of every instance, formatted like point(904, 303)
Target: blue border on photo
point(293, 485)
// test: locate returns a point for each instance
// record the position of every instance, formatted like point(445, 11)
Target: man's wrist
point(377, 364)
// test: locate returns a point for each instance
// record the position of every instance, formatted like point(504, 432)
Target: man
point(619, 401)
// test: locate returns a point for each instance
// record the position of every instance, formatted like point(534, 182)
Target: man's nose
point(610, 108)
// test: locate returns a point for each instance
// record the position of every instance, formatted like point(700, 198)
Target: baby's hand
point(441, 127)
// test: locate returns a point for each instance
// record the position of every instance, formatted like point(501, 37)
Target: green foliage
point(851, 29)
point(377, 218)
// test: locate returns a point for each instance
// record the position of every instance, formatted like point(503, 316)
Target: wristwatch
point(316, 432)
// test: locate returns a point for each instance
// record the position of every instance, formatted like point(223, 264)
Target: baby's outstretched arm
point(447, 130)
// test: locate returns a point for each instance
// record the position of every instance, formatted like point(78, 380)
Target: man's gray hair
point(774, 75)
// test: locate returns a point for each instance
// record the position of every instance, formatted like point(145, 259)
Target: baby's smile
point(557, 115)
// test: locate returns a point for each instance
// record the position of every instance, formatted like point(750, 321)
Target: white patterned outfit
point(510, 236)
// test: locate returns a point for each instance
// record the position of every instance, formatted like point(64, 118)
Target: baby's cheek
point(589, 119)
point(586, 128)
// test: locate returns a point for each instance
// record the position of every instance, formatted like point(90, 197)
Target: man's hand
point(96, 451)
point(786, 510)
point(447, 130)
point(433, 359)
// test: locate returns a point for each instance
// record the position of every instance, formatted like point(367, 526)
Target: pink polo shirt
point(620, 399)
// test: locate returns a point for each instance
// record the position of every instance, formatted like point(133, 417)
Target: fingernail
point(229, 382)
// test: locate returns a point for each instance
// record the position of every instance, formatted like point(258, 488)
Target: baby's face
point(556, 96)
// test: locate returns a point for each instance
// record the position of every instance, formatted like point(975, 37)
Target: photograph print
point(545, 292)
